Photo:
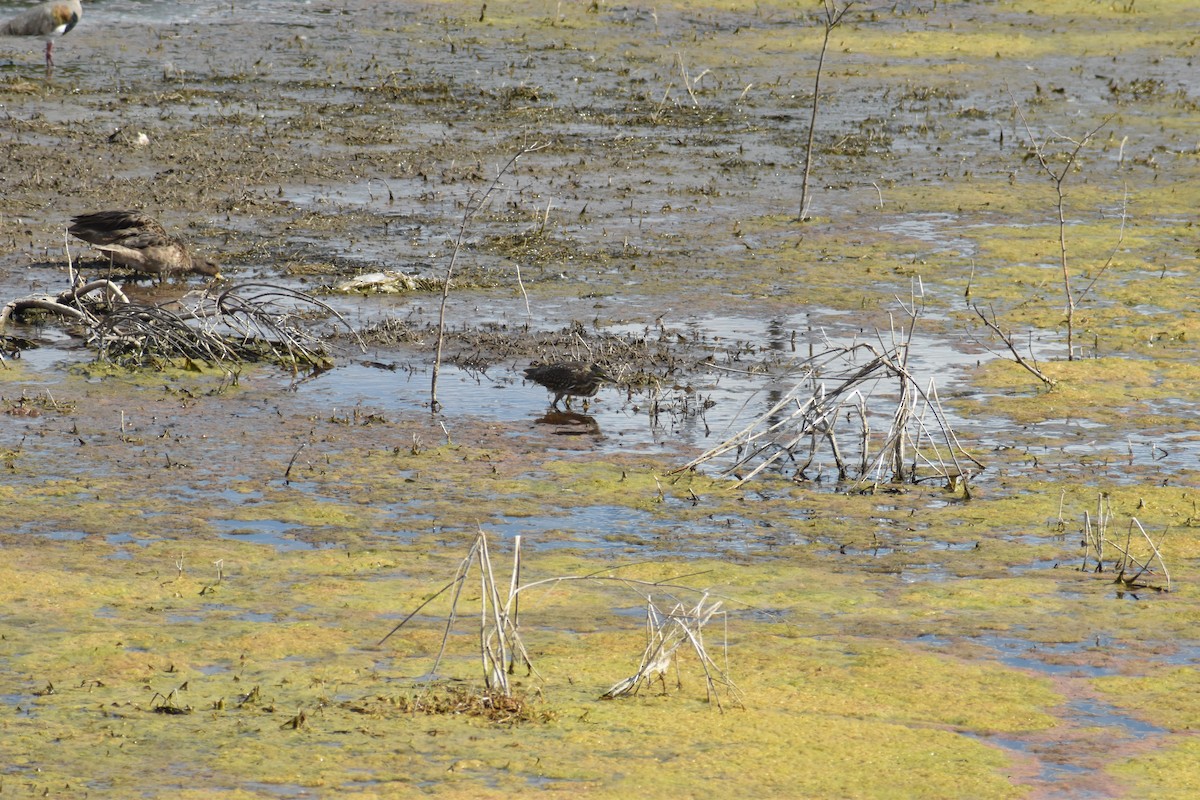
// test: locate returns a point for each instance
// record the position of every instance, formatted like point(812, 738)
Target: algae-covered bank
point(201, 559)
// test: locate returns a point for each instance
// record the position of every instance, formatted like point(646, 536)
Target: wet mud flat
point(201, 559)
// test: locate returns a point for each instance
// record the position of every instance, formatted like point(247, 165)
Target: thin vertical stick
point(833, 18)
point(475, 204)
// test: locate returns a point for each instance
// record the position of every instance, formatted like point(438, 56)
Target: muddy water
point(304, 143)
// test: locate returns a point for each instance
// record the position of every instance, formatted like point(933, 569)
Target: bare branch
point(1029, 365)
point(475, 204)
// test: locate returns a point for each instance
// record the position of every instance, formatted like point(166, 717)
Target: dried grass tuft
point(500, 646)
point(1134, 568)
point(666, 633)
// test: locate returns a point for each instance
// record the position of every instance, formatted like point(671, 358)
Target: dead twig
point(1030, 364)
point(475, 203)
point(833, 17)
point(1058, 177)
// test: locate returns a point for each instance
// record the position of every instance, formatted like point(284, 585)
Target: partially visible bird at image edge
point(568, 379)
point(139, 242)
point(47, 20)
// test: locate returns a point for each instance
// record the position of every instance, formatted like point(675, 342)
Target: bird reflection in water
point(569, 423)
point(567, 379)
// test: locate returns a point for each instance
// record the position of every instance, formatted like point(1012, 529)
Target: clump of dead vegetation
point(502, 650)
point(858, 410)
point(36, 405)
point(501, 709)
point(666, 633)
point(640, 359)
point(243, 323)
point(1136, 554)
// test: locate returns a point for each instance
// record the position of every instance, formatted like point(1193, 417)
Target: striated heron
point(568, 379)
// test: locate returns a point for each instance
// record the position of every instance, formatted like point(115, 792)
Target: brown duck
point(568, 379)
point(47, 20)
point(137, 241)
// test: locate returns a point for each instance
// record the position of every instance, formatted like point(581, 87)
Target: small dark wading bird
point(48, 20)
point(568, 379)
point(137, 241)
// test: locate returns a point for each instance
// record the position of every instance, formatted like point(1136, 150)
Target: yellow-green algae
point(1168, 772)
point(276, 639)
point(299, 628)
point(1105, 390)
point(1166, 696)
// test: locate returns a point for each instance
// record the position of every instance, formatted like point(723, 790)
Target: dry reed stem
point(475, 203)
point(500, 641)
point(666, 633)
